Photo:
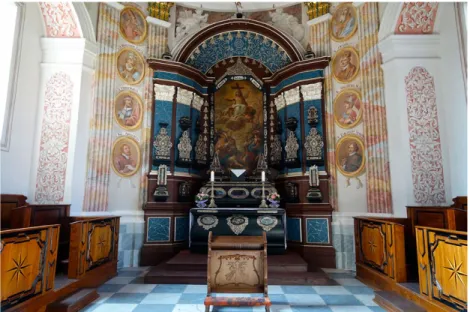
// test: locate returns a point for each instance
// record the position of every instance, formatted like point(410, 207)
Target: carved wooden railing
point(93, 242)
point(442, 266)
point(380, 245)
point(28, 263)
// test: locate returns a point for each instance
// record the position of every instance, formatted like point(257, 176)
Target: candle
point(212, 176)
point(263, 176)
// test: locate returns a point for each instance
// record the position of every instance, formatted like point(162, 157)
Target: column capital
point(409, 47)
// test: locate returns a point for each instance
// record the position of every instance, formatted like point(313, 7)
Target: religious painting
point(126, 156)
point(128, 110)
point(346, 65)
point(239, 125)
point(348, 108)
point(132, 25)
point(350, 158)
point(344, 22)
point(131, 66)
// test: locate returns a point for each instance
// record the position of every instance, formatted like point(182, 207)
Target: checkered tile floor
point(127, 292)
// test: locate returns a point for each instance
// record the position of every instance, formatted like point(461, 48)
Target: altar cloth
point(238, 221)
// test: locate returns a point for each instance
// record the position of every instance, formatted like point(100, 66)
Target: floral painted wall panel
point(417, 18)
point(425, 143)
point(60, 20)
point(54, 144)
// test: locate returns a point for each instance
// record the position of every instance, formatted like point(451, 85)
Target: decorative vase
point(273, 203)
point(202, 203)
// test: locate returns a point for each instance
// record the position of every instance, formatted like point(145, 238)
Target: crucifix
point(239, 89)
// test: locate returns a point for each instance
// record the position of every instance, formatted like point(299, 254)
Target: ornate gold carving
point(160, 10)
point(317, 9)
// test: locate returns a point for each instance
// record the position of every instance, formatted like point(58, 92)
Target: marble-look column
point(321, 46)
point(101, 123)
point(158, 37)
point(375, 122)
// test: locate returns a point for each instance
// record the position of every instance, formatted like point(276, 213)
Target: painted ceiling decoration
point(238, 44)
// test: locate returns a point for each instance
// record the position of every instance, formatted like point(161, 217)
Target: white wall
point(93, 9)
point(454, 105)
point(16, 163)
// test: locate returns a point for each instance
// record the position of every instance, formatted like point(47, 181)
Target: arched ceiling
point(239, 38)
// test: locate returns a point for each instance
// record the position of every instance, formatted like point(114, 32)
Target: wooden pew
point(9, 202)
point(380, 250)
point(442, 261)
point(93, 243)
point(28, 259)
point(386, 256)
point(37, 215)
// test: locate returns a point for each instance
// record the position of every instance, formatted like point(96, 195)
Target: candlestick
point(212, 202)
point(263, 176)
point(263, 200)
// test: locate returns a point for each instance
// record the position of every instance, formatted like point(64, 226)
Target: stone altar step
point(188, 268)
point(289, 262)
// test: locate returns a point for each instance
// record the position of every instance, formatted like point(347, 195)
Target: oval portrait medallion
point(350, 159)
point(131, 66)
point(346, 65)
point(126, 156)
point(128, 110)
point(207, 221)
point(132, 25)
point(343, 22)
point(348, 108)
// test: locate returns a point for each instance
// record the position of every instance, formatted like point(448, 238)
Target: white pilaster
point(400, 54)
point(73, 59)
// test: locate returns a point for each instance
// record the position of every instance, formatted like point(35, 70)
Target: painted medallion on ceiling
point(242, 44)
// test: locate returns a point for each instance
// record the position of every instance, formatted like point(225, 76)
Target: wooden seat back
point(28, 258)
point(8, 203)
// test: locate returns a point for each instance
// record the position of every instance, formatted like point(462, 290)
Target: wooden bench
point(237, 264)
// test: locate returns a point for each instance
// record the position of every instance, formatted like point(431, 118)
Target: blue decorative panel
point(281, 117)
point(158, 229)
point(319, 127)
point(182, 110)
point(294, 229)
point(194, 136)
point(179, 78)
point(318, 231)
point(163, 114)
point(181, 228)
point(318, 73)
point(293, 110)
point(238, 43)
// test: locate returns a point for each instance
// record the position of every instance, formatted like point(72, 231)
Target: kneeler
point(237, 264)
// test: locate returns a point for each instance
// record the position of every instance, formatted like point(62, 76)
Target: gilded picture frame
point(348, 108)
point(130, 66)
point(350, 156)
point(128, 110)
point(343, 23)
point(346, 65)
point(126, 161)
point(133, 25)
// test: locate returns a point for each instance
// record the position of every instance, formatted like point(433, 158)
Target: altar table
point(238, 221)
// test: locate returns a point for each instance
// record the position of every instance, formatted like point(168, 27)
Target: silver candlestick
point(212, 202)
point(263, 200)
